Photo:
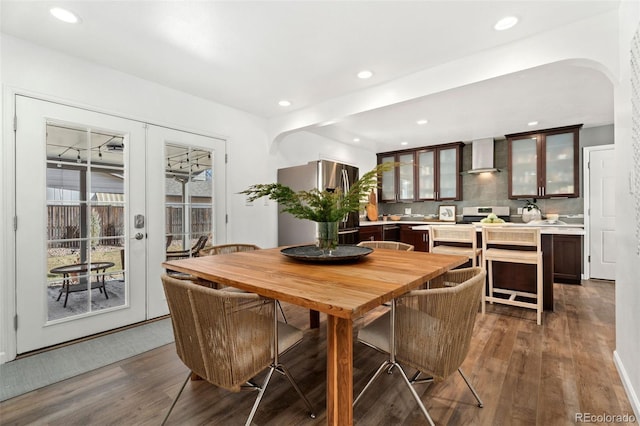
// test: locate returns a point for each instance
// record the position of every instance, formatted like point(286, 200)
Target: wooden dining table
point(343, 291)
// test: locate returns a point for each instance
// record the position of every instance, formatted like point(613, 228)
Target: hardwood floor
point(525, 374)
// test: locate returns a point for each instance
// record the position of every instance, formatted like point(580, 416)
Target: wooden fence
point(64, 224)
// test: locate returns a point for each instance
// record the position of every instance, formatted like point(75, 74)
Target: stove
point(475, 214)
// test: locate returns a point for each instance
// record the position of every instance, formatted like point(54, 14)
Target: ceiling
point(249, 55)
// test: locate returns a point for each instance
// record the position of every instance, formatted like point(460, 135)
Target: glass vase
point(529, 215)
point(327, 235)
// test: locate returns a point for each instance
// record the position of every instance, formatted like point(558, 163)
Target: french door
point(90, 208)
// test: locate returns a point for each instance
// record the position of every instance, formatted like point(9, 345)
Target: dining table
point(344, 291)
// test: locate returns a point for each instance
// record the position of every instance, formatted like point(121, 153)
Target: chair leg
point(288, 375)
point(416, 396)
point(260, 394)
point(471, 388)
point(176, 399)
point(371, 380)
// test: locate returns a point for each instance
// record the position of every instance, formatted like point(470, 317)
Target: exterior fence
point(107, 224)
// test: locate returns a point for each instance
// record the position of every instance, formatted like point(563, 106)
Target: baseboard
point(628, 387)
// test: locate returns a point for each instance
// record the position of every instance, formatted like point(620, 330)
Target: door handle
point(139, 236)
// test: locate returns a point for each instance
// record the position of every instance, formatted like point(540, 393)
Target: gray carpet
point(34, 372)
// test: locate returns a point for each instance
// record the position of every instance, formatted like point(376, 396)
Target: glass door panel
point(426, 175)
point(448, 173)
point(559, 178)
point(388, 189)
point(72, 182)
point(524, 167)
point(406, 177)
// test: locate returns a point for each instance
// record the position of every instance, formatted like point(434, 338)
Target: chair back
point(434, 326)
point(392, 245)
point(224, 337)
point(452, 234)
point(227, 248)
point(511, 236)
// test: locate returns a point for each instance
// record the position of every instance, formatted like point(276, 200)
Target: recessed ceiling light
point(284, 103)
point(532, 123)
point(422, 121)
point(404, 143)
point(364, 74)
point(505, 23)
point(64, 15)
point(356, 139)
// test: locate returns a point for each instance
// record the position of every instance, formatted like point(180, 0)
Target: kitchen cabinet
point(567, 258)
point(418, 239)
point(398, 183)
point(371, 233)
point(438, 175)
point(428, 173)
point(544, 163)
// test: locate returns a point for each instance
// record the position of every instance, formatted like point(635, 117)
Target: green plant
point(317, 205)
point(531, 205)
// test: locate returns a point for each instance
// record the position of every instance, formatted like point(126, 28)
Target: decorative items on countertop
point(531, 211)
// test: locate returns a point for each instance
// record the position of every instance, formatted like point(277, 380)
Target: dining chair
point(227, 338)
point(514, 244)
point(392, 245)
point(428, 330)
point(235, 248)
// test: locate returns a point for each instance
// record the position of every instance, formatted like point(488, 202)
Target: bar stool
point(463, 237)
point(515, 245)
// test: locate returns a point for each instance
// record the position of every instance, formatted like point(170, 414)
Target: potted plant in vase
point(325, 207)
point(531, 211)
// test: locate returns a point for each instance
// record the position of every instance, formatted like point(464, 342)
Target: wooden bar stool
point(461, 240)
point(513, 245)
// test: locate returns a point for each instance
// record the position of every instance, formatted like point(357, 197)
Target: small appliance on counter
point(476, 214)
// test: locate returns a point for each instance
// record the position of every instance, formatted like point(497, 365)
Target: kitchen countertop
point(569, 229)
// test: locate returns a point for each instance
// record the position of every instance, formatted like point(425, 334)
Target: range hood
point(482, 156)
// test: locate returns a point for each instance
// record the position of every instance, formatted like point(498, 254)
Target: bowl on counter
point(395, 217)
point(552, 217)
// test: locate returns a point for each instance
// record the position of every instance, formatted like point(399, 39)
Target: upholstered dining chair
point(227, 338)
point(428, 330)
point(392, 245)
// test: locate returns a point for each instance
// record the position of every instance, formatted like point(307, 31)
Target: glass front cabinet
point(429, 173)
point(544, 163)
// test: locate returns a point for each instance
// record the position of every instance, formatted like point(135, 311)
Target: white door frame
point(586, 179)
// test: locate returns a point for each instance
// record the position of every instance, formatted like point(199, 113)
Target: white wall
point(627, 350)
point(30, 69)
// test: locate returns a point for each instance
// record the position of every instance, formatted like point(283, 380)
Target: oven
point(476, 214)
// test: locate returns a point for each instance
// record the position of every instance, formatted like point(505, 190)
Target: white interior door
point(602, 237)
point(186, 174)
point(80, 207)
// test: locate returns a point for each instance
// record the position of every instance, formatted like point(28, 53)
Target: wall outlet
point(519, 210)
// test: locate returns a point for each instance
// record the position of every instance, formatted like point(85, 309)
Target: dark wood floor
point(526, 375)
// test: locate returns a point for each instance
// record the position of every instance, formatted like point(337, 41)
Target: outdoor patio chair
point(192, 252)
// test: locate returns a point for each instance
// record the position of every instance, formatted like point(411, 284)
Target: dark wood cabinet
point(419, 239)
point(567, 258)
point(428, 173)
point(370, 233)
point(544, 163)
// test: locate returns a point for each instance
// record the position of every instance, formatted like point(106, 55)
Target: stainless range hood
point(482, 156)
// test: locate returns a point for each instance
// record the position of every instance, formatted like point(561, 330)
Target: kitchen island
point(561, 253)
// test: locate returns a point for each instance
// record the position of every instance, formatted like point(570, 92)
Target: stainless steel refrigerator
point(321, 174)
